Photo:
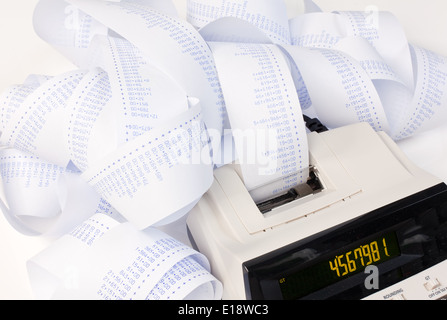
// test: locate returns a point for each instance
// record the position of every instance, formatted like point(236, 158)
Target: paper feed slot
point(313, 185)
point(336, 184)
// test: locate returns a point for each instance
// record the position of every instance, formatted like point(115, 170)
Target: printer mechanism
point(357, 176)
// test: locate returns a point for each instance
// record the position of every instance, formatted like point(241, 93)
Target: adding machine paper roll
point(157, 102)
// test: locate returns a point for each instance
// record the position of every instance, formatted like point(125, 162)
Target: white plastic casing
point(361, 170)
point(430, 284)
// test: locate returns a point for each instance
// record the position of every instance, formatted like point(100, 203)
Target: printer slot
point(313, 185)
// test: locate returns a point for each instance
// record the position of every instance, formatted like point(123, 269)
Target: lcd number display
point(340, 266)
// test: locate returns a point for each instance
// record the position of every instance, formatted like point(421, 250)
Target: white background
point(23, 53)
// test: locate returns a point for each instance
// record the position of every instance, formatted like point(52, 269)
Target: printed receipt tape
point(262, 99)
point(158, 102)
point(147, 265)
point(57, 199)
point(347, 66)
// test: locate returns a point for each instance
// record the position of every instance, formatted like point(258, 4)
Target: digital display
point(340, 265)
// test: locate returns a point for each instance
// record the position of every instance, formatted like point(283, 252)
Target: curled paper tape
point(42, 198)
point(156, 102)
point(103, 259)
point(361, 61)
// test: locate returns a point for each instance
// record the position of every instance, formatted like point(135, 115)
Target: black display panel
point(401, 239)
point(340, 266)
